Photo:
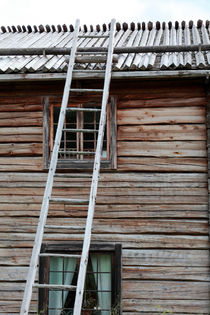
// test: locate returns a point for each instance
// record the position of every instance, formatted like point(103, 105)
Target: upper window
point(79, 136)
point(102, 284)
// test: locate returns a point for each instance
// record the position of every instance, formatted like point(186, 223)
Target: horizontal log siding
point(156, 206)
point(162, 129)
point(21, 136)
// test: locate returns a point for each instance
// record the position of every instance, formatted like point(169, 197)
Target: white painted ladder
point(30, 283)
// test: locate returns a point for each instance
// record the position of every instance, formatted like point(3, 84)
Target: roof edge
point(104, 27)
point(79, 75)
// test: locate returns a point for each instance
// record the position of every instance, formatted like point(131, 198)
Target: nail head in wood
point(24, 28)
point(183, 25)
point(157, 25)
point(35, 29)
point(150, 25)
point(47, 27)
point(41, 28)
point(14, 29)
point(125, 26)
point(132, 26)
point(118, 26)
point(199, 23)
point(3, 28)
point(19, 28)
point(53, 28)
point(71, 27)
point(65, 29)
point(59, 28)
point(169, 25)
point(190, 24)
point(176, 25)
point(29, 28)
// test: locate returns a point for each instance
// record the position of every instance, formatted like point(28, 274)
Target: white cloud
point(96, 12)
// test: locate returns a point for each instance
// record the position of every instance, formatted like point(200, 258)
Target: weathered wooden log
point(117, 50)
point(92, 59)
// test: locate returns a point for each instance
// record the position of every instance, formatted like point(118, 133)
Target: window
point(102, 286)
point(77, 148)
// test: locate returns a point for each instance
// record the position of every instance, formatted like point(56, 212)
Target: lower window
point(102, 289)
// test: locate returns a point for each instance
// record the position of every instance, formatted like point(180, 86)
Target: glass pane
point(97, 290)
point(55, 302)
point(79, 141)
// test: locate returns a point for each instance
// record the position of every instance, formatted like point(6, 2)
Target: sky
point(30, 12)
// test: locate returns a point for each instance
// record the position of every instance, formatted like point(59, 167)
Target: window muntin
point(72, 142)
point(97, 293)
point(102, 285)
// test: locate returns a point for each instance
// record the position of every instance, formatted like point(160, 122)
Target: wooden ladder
point(47, 198)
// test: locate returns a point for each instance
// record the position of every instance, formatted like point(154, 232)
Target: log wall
point(155, 204)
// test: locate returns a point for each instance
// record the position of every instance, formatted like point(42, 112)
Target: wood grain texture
point(162, 164)
point(21, 134)
point(155, 204)
point(157, 306)
point(178, 258)
point(21, 164)
point(172, 115)
point(166, 290)
point(18, 119)
point(136, 102)
point(162, 132)
point(162, 149)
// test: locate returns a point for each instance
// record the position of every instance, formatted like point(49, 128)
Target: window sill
point(81, 165)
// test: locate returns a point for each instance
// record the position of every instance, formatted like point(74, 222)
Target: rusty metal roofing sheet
point(134, 35)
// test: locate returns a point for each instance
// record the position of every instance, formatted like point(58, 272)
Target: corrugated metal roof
point(126, 35)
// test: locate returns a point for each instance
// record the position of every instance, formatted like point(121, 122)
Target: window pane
point(97, 290)
point(79, 141)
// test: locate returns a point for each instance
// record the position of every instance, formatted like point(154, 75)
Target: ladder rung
point(93, 36)
point(86, 90)
point(54, 286)
point(73, 175)
point(68, 227)
point(77, 152)
point(69, 201)
point(59, 255)
point(82, 109)
point(80, 130)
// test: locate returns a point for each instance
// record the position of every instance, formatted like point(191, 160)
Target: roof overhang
point(79, 75)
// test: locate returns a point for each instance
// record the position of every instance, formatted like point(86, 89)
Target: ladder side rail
point(45, 203)
point(94, 184)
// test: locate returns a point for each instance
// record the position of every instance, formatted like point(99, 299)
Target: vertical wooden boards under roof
point(130, 57)
point(187, 55)
point(124, 40)
point(153, 56)
point(144, 64)
point(206, 40)
point(173, 60)
point(138, 57)
point(200, 62)
point(164, 62)
point(179, 42)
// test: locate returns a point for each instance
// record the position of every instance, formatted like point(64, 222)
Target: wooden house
point(150, 242)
